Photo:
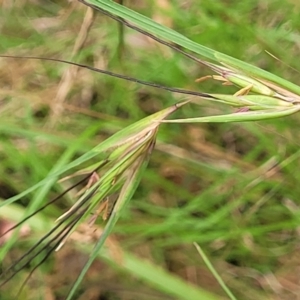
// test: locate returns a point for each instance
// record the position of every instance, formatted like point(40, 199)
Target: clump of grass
point(261, 96)
point(119, 173)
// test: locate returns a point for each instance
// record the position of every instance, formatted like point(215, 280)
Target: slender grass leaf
point(240, 116)
point(173, 36)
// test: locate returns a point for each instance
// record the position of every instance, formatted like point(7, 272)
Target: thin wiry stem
point(128, 78)
point(54, 200)
point(30, 255)
point(48, 234)
point(65, 232)
point(57, 239)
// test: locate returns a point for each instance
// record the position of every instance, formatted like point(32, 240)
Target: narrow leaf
point(240, 116)
point(173, 36)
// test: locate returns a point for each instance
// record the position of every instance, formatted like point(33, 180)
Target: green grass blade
point(214, 272)
point(164, 281)
point(240, 116)
point(173, 36)
point(150, 26)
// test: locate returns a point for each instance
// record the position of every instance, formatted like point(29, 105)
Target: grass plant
point(231, 188)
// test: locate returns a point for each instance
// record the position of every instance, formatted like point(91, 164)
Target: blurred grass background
point(231, 188)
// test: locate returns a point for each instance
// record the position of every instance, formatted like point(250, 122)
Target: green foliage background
point(231, 188)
